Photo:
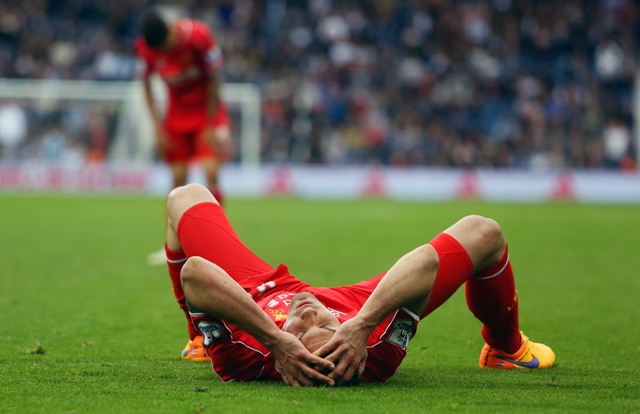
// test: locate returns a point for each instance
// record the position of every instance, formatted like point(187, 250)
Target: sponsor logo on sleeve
point(211, 332)
point(401, 333)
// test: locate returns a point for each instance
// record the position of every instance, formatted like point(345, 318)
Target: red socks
point(491, 294)
point(492, 297)
point(175, 261)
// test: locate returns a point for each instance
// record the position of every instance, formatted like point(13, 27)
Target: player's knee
point(189, 273)
point(173, 199)
point(428, 259)
point(179, 195)
point(489, 233)
point(176, 192)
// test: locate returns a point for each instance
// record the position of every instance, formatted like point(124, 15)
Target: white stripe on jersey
point(380, 340)
point(413, 315)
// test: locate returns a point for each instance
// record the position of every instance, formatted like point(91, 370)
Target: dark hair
point(354, 381)
point(154, 29)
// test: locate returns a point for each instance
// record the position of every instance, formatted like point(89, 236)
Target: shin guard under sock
point(492, 297)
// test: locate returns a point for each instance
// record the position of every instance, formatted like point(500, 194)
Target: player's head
point(155, 30)
point(310, 321)
point(313, 324)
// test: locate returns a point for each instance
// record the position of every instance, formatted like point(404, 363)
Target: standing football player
point(196, 126)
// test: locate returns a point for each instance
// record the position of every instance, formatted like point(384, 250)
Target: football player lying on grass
point(256, 322)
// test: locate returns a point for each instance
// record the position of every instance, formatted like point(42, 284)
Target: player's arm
point(161, 139)
point(212, 61)
point(218, 140)
point(214, 87)
point(211, 290)
point(407, 284)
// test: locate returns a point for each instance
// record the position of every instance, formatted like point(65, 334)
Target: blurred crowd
point(494, 83)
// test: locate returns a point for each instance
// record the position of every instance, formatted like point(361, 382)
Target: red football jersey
point(236, 355)
point(186, 70)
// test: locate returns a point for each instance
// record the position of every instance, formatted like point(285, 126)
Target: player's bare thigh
point(482, 238)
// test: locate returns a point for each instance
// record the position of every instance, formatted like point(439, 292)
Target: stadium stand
point(495, 83)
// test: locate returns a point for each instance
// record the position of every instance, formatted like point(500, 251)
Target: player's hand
point(219, 138)
point(348, 350)
point(295, 363)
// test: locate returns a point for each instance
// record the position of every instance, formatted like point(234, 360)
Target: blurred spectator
point(53, 145)
point(13, 128)
point(492, 83)
point(617, 143)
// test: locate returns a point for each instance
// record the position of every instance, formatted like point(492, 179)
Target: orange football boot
point(531, 355)
point(194, 351)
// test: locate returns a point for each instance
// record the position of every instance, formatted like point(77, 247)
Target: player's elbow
point(180, 199)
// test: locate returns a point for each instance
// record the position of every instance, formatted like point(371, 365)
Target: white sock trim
point(493, 275)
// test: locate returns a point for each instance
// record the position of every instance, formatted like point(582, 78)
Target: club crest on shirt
point(278, 314)
point(211, 332)
point(401, 333)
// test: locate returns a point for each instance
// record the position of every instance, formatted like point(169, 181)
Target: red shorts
point(185, 136)
point(204, 230)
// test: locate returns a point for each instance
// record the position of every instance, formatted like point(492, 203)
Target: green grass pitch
point(86, 326)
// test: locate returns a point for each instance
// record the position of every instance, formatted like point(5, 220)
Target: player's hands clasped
point(348, 350)
point(295, 363)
